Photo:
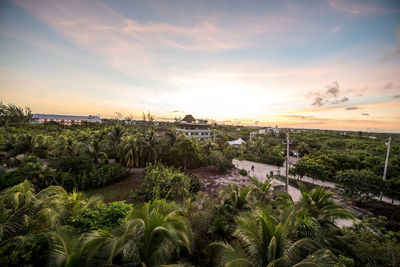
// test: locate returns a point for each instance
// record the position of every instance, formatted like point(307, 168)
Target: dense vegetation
point(46, 219)
point(353, 160)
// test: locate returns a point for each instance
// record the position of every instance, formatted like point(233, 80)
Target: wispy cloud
point(335, 29)
point(394, 53)
point(352, 108)
point(357, 7)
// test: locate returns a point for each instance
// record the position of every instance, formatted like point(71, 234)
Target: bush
point(75, 165)
point(106, 174)
point(2, 170)
point(243, 172)
point(103, 217)
point(225, 165)
point(162, 182)
point(195, 184)
point(10, 179)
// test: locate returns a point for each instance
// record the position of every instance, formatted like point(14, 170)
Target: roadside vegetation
point(46, 218)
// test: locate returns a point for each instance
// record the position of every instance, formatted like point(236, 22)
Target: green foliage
point(155, 233)
point(9, 179)
point(243, 172)
point(24, 252)
point(164, 182)
point(356, 184)
point(102, 217)
point(187, 153)
point(262, 241)
point(370, 244)
point(195, 185)
point(13, 114)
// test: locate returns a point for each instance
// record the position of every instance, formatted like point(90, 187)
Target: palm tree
point(115, 136)
point(150, 146)
point(65, 146)
point(261, 241)
point(318, 203)
point(261, 190)
point(29, 144)
point(95, 150)
point(65, 248)
point(236, 196)
point(19, 205)
point(130, 151)
point(151, 237)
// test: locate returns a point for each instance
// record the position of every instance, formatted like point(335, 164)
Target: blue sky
point(317, 64)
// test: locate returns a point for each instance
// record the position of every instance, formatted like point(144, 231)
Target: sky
point(327, 64)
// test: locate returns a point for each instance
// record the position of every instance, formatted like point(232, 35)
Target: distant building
point(194, 128)
point(237, 142)
point(65, 119)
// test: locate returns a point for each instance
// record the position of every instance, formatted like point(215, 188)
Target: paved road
point(260, 172)
point(266, 168)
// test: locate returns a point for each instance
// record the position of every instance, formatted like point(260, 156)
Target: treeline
point(90, 156)
point(355, 162)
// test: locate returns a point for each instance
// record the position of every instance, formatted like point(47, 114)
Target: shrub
point(162, 182)
point(2, 170)
point(225, 165)
point(75, 165)
point(10, 179)
point(243, 172)
point(103, 217)
point(106, 174)
point(195, 184)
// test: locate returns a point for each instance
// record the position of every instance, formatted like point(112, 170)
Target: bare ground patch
point(213, 180)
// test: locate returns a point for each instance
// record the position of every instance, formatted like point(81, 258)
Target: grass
point(122, 190)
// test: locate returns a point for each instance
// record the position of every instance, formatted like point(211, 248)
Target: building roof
point(64, 117)
point(239, 141)
point(189, 118)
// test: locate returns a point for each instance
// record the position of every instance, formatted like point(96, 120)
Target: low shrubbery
point(103, 217)
point(243, 172)
point(84, 176)
point(168, 183)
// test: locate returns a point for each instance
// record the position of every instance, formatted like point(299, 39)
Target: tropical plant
point(95, 150)
point(130, 151)
point(156, 232)
point(236, 196)
point(261, 241)
point(318, 203)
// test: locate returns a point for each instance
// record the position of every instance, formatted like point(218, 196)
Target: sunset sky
point(306, 64)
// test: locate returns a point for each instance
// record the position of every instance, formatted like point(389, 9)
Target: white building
point(237, 142)
point(65, 119)
point(194, 128)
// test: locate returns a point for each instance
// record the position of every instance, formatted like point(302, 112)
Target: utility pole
point(287, 163)
point(386, 162)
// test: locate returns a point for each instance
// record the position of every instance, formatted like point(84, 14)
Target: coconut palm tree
point(151, 237)
point(262, 241)
point(260, 191)
point(95, 150)
point(130, 151)
point(65, 146)
point(236, 196)
point(29, 145)
point(19, 205)
point(150, 146)
point(65, 248)
point(318, 203)
point(115, 136)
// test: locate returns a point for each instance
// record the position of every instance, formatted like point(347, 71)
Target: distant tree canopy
point(13, 114)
